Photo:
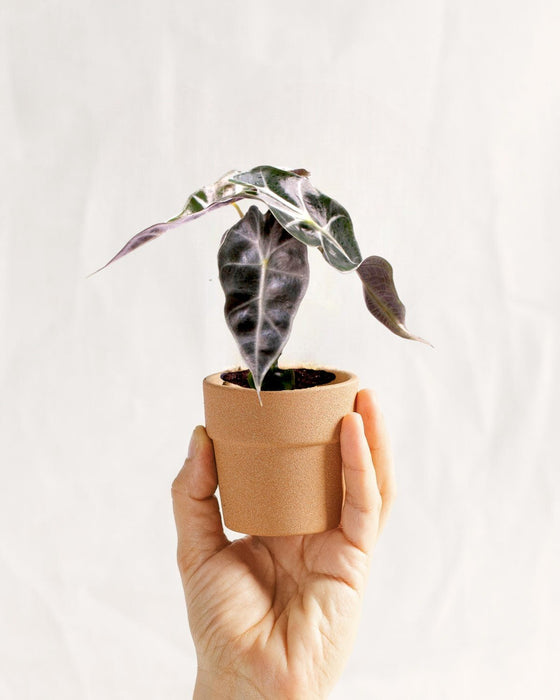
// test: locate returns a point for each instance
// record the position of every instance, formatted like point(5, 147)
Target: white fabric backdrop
point(437, 124)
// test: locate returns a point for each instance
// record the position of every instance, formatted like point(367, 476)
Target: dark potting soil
point(304, 378)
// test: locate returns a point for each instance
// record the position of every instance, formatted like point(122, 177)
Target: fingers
point(380, 448)
point(197, 514)
point(362, 500)
point(368, 472)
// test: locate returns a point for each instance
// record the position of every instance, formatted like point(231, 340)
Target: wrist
point(212, 685)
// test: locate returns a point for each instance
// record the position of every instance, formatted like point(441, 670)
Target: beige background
point(437, 125)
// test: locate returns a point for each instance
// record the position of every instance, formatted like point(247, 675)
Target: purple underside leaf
point(381, 296)
point(155, 231)
point(264, 273)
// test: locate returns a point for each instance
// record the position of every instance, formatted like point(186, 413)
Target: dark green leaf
point(307, 214)
point(264, 273)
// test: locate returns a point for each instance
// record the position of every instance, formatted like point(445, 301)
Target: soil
point(304, 378)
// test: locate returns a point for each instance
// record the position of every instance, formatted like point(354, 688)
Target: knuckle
point(183, 560)
point(179, 484)
point(365, 505)
point(176, 490)
point(388, 498)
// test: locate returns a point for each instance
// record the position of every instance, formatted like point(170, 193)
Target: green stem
point(238, 208)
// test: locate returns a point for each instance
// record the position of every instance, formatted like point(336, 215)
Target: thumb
point(197, 515)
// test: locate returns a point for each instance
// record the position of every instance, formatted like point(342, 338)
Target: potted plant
point(276, 430)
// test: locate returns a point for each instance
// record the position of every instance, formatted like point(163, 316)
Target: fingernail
point(194, 444)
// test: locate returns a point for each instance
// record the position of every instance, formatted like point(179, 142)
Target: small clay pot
point(279, 464)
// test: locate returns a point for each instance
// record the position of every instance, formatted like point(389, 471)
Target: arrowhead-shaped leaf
point(264, 273)
point(210, 197)
point(310, 216)
point(381, 296)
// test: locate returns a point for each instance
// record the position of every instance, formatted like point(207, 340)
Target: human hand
point(275, 617)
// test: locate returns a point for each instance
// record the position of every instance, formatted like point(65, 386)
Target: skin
point(276, 617)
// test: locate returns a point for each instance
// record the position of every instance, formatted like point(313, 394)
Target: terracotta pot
point(279, 465)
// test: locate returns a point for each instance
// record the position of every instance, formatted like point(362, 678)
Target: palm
point(250, 603)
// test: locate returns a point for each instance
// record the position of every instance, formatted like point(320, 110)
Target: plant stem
point(234, 204)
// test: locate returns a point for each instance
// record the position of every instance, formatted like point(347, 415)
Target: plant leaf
point(264, 274)
point(210, 197)
point(381, 296)
point(307, 214)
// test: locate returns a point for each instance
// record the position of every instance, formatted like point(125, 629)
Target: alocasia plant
point(263, 258)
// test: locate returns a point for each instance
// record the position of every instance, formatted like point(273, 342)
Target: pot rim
point(341, 376)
